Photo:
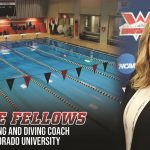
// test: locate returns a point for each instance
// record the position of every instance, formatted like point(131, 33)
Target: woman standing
point(136, 104)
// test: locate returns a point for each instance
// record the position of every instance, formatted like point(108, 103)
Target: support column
point(76, 18)
point(46, 23)
point(108, 8)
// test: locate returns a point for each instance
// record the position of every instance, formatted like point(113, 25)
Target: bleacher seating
point(114, 40)
point(90, 36)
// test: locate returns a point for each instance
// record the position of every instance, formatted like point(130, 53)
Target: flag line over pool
point(47, 75)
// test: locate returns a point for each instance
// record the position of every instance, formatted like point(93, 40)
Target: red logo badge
point(134, 25)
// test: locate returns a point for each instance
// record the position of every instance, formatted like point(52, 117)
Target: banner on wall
point(135, 16)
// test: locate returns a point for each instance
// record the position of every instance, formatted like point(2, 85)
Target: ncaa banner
point(135, 14)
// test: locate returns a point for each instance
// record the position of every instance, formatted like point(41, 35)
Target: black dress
point(141, 136)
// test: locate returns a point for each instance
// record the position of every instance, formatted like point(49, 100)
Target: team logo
point(126, 63)
point(134, 25)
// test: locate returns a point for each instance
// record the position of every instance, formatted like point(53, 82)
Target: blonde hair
point(141, 79)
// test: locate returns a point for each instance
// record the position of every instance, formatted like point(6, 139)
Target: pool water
point(99, 94)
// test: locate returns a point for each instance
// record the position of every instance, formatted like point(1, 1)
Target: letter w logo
point(130, 18)
point(134, 25)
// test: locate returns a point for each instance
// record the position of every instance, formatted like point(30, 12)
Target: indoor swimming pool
point(97, 93)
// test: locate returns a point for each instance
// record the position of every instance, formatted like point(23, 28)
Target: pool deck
point(93, 45)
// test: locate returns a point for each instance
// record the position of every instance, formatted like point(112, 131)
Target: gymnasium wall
point(69, 6)
point(104, 8)
point(33, 11)
point(31, 8)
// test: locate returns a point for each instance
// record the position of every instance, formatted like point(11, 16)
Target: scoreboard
point(7, 9)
